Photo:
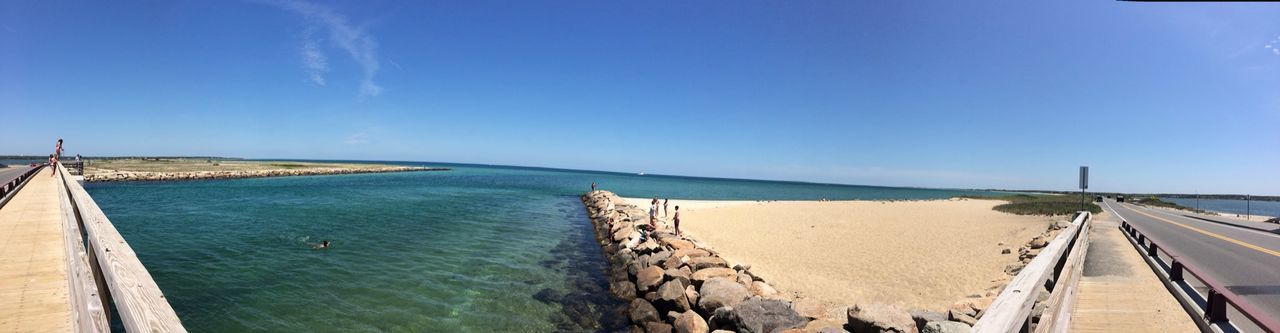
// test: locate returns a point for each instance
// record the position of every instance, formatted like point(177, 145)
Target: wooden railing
point(103, 269)
point(1062, 260)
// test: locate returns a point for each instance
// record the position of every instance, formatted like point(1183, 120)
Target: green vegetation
point(1028, 204)
point(152, 164)
point(1156, 202)
point(289, 165)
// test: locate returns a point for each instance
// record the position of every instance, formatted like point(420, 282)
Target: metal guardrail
point(103, 269)
point(1210, 310)
point(9, 188)
point(1062, 260)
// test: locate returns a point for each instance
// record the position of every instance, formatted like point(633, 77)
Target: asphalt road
point(7, 174)
point(1245, 260)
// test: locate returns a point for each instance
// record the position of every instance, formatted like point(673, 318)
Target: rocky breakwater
point(116, 175)
point(676, 284)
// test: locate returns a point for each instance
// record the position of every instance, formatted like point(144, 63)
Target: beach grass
point(1034, 204)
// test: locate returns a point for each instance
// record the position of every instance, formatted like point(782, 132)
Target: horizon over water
point(478, 248)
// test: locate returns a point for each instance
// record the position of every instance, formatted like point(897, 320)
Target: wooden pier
point(62, 264)
point(33, 273)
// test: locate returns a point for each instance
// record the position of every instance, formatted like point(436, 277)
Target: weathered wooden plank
point(1057, 314)
point(139, 301)
point(1009, 311)
point(87, 311)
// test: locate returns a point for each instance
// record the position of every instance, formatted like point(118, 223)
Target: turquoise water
point(478, 249)
point(1255, 207)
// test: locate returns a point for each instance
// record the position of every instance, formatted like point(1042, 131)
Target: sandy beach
point(916, 254)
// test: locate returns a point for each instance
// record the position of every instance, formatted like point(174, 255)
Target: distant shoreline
point(161, 169)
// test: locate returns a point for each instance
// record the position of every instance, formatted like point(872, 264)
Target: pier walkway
point(33, 272)
point(1119, 293)
point(64, 266)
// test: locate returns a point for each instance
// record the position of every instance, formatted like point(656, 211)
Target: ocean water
point(475, 249)
point(1255, 207)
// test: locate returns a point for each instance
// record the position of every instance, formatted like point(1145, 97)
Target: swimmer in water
point(321, 246)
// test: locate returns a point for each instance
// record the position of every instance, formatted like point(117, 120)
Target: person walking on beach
point(664, 207)
point(676, 220)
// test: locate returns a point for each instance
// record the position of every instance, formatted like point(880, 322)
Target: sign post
point(1084, 184)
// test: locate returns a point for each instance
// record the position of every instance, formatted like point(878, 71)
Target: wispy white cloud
point(354, 40)
point(1274, 46)
point(314, 61)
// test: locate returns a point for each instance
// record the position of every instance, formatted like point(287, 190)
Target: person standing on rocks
point(653, 213)
point(676, 220)
point(593, 186)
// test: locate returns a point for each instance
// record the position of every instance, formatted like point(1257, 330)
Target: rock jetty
point(115, 176)
point(677, 284)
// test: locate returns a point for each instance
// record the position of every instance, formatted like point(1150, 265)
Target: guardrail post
point(1175, 271)
point(1151, 250)
point(1216, 310)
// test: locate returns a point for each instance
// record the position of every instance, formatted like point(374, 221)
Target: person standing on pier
point(53, 165)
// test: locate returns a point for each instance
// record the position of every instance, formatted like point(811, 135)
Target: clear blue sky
point(1010, 94)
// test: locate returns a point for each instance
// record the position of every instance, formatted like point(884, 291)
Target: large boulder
point(809, 308)
point(703, 275)
point(878, 317)
point(657, 327)
point(691, 253)
point(945, 327)
point(648, 278)
point(720, 292)
point(678, 275)
point(692, 294)
point(690, 322)
point(923, 317)
point(671, 297)
point(762, 289)
point(624, 290)
point(699, 263)
point(648, 246)
point(1039, 242)
point(760, 315)
point(657, 258)
point(964, 318)
point(678, 244)
point(641, 312)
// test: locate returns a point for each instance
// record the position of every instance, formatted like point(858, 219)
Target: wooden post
point(1216, 308)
